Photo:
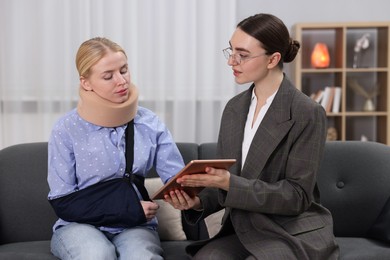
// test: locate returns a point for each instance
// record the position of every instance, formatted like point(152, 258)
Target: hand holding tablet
point(193, 167)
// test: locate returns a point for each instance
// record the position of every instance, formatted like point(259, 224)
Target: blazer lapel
point(275, 125)
point(241, 108)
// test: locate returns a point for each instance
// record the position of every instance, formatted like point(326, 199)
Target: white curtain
point(174, 49)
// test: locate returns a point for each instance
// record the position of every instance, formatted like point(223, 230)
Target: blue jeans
point(84, 242)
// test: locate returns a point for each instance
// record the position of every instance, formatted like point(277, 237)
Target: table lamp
point(320, 56)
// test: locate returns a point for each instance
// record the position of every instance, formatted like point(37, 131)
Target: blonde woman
point(99, 154)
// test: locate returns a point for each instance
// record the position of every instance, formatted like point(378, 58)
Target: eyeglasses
point(238, 58)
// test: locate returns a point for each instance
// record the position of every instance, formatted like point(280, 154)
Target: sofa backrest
point(354, 181)
point(25, 213)
point(207, 151)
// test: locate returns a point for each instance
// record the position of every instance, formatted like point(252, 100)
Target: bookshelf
point(359, 68)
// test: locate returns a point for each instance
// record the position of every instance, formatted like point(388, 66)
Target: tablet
point(194, 166)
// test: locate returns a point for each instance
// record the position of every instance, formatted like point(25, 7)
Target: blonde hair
point(91, 51)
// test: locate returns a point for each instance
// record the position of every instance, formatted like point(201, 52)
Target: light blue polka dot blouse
point(82, 154)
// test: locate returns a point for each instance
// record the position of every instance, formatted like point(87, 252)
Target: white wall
point(292, 12)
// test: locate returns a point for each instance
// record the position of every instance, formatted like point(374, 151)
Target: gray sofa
point(354, 181)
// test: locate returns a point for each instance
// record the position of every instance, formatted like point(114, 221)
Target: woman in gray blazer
point(277, 134)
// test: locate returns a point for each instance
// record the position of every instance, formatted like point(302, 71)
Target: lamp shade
point(320, 56)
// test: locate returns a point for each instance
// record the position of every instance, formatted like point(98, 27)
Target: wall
point(292, 12)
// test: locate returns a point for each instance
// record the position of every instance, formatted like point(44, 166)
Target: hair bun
point(292, 51)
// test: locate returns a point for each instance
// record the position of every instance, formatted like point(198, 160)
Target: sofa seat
point(27, 250)
point(352, 248)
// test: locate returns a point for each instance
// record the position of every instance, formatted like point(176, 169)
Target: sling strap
point(138, 180)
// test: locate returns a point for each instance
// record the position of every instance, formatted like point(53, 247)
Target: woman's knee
point(138, 243)
point(79, 241)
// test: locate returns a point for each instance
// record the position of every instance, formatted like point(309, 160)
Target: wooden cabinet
point(359, 65)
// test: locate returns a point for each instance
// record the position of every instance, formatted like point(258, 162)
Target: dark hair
point(272, 34)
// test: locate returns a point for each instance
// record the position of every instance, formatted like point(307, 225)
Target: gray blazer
point(273, 202)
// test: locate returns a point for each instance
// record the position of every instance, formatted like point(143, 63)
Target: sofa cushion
point(169, 219)
point(214, 222)
point(25, 213)
point(207, 151)
point(381, 228)
point(353, 185)
point(358, 248)
point(175, 250)
point(33, 250)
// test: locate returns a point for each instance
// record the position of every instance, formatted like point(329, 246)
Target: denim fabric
point(85, 242)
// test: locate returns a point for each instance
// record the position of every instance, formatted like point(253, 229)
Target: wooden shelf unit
point(369, 67)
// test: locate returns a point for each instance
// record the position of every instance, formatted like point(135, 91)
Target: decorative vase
point(369, 105)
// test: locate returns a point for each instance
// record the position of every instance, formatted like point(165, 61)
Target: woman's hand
point(179, 199)
point(216, 178)
point(150, 209)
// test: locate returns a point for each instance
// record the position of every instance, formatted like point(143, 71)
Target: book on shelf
point(329, 98)
point(318, 96)
point(329, 106)
point(336, 100)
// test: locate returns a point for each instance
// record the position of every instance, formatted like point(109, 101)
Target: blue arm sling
point(112, 203)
